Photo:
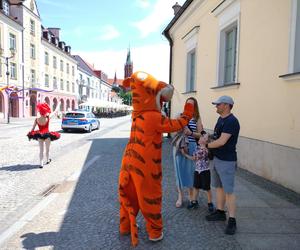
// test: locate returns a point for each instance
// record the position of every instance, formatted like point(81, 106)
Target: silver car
point(80, 120)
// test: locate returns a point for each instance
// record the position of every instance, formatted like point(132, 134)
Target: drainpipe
point(167, 35)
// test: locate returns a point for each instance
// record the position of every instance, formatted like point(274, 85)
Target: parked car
point(80, 120)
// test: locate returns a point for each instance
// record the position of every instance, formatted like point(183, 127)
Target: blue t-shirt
point(229, 125)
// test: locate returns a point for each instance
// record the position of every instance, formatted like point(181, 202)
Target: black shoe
point(211, 207)
point(231, 226)
point(193, 205)
point(48, 162)
point(218, 215)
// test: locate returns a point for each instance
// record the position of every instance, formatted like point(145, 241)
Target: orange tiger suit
point(140, 186)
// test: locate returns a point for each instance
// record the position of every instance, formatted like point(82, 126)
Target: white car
point(80, 120)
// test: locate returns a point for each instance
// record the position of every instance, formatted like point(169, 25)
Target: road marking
point(41, 205)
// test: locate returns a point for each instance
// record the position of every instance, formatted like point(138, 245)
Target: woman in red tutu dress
point(43, 135)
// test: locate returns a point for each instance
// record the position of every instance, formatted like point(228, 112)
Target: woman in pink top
point(43, 135)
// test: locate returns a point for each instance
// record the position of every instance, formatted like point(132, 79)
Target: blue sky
point(102, 30)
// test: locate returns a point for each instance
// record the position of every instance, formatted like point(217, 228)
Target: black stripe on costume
point(157, 145)
point(129, 167)
point(156, 161)
point(154, 216)
point(155, 201)
point(156, 176)
point(134, 154)
point(136, 140)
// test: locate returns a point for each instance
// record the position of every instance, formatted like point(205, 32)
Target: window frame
point(32, 51)
point(13, 71)
point(191, 47)
point(32, 76)
point(32, 27)
point(229, 19)
point(12, 41)
point(47, 80)
point(54, 62)
point(46, 58)
point(294, 37)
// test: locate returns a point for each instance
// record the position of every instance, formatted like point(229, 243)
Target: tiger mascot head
point(147, 92)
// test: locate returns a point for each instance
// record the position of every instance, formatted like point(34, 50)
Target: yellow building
point(250, 50)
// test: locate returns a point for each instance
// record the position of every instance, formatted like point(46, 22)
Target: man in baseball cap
point(224, 99)
point(224, 160)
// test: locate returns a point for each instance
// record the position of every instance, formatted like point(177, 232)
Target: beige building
point(58, 71)
point(11, 62)
point(250, 50)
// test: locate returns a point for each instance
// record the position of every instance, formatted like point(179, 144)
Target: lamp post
point(12, 51)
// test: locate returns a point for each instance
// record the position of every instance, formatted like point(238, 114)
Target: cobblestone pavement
point(21, 179)
point(81, 212)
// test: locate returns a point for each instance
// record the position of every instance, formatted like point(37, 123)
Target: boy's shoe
point(193, 205)
point(231, 226)
point(211, 207)
point(218, 215)
point(157, 239)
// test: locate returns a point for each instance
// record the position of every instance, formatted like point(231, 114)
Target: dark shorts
point(202, 180)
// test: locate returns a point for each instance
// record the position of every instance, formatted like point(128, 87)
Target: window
point(228, 50)
point(13, 71)
point(33, 76)
point(191, 70)
point(54, 62)
point(73, 87)
point(230, 55)
point(61, 84)
point(54, 82)
point(32, 51)
point(5, 7)
point(46, 58)
point(294, 54)
point(0, 67)
point(12, 41)
point(32, 27)
point(68, 86)
point(61, 65)
point(73, 71)
point(46, 80)
point(68, 68)
point(190, 40)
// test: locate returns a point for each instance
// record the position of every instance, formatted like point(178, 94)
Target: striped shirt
point(192, 125)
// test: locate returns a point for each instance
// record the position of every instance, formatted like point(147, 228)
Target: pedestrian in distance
point(201, 173)
point(43, 135)
point(224, 162)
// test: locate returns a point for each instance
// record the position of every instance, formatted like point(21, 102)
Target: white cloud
point(162, 13)
point(108, 32)
point(143, 3)
point(153, 59)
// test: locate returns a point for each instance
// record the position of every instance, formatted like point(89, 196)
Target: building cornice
point(13, 22)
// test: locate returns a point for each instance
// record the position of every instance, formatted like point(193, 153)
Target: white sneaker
point(157, 239)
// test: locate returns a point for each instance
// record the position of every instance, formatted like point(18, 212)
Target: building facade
point(248, 49)
point(11, 63)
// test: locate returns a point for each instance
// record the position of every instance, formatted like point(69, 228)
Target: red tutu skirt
point(35, 135)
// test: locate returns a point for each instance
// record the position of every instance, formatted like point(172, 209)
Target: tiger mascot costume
point(140, 180)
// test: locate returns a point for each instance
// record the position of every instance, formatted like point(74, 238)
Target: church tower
point(128, 68)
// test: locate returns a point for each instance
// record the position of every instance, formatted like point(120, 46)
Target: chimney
point(176, 8)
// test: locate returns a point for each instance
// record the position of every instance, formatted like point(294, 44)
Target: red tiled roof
point(119, 81)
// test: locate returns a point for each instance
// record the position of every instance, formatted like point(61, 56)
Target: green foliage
point(125, 96)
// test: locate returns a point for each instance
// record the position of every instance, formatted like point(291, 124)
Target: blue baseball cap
point(224, 99)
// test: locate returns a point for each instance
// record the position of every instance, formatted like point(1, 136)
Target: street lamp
point(12, 52)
